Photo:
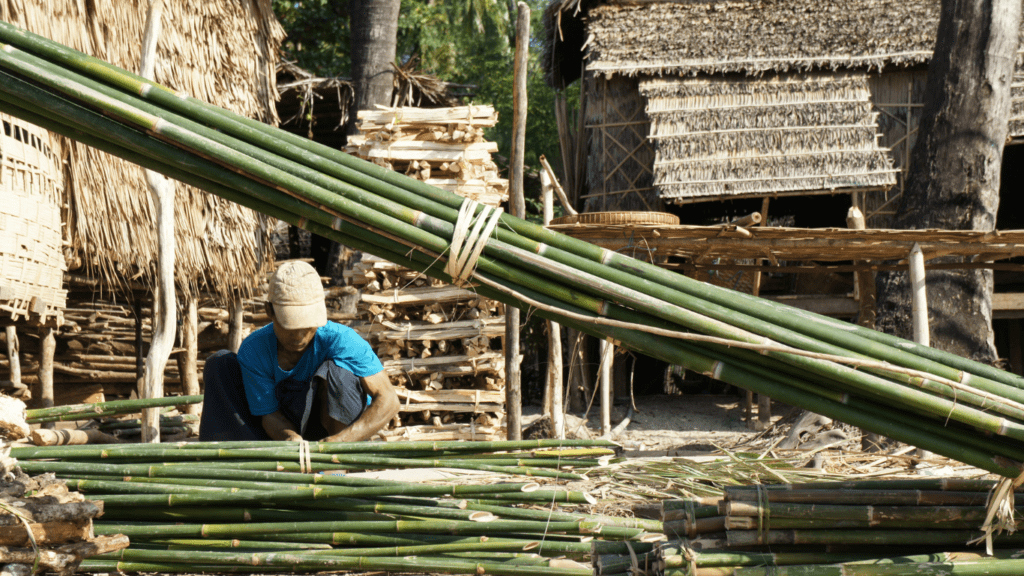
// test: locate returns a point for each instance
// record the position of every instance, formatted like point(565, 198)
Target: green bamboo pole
point(743, 538)
point(864, 512)
point(132, 116)
point(306, 561)
point(889, 497)
point(93, 566)
point(397, 526)
point(299, 148)
point(983, 566)
point(102, 409)
point(751, 523)
point(262, 545)
point(235, 515)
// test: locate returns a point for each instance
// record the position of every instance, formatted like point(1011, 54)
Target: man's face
point(295, 340)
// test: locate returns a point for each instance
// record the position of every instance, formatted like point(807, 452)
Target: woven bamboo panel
point(31, 256)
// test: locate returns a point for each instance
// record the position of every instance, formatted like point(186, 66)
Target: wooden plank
point(422, 295)
point(452, 395)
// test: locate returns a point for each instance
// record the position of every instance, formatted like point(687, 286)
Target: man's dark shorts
point(226, 414)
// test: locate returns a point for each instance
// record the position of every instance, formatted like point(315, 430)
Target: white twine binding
point(305, 462)
point(468, 244)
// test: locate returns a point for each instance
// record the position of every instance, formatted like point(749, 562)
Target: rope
point(690, 555)
point(305, 461)
point(467, 245)
point(763, 514)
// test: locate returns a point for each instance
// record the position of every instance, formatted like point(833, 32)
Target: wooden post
point(864, 286)
point(554, 387)
point(48, 345)
point(236, 316)
point(517, 207)
point(864, 281)
point(605, 378)
point(919, 296)
point(162, 189)
point(188, 359)
point(13, 356)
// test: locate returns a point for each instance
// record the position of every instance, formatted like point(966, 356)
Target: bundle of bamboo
point(915, 394)
point(222, 507)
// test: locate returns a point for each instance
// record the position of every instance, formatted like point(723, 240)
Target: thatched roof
point(749, 36)
point(784, 134)
point(221, 51)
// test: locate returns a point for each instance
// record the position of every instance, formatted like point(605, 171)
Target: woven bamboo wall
point(31, 256)
point(742, 136)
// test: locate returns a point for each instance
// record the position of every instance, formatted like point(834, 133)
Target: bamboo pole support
point(13, 355)
point(605, 382)
point(554, 387)
point(864, 284)
point(236, 312)
point(162, 189)
point(188, 359)
point(517, 207)
point(919, 296)
point(48, 345)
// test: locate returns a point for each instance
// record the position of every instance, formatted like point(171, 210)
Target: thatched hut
point(695, 100)
point(224, 52)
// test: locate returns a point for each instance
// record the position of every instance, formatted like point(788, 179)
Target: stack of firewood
point(441, 347)
point(444, 147)
point(41, 522)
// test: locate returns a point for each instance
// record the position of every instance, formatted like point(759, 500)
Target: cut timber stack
point(444, 147)
point(439, 345)
point(60, 523)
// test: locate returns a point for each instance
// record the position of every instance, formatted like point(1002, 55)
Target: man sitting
point(299, 377)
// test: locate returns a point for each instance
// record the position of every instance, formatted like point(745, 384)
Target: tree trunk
point(953, 179)
point(374, 34)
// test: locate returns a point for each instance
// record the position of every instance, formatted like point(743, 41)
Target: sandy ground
point(677, 424)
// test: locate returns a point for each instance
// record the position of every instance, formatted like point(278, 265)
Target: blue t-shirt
point(260, 371)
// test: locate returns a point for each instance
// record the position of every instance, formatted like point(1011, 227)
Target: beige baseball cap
point(297, 296)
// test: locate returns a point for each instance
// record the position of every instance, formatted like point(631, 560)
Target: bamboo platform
point(778, 246)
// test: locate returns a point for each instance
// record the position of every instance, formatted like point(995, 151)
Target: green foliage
point(318, 34)
point(460, 41)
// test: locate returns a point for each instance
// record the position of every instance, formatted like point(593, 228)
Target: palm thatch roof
point(748, 36)
point(220, 51)
point(784, 134)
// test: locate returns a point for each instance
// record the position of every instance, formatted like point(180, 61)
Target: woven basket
point(31, 256)
point(618, 218)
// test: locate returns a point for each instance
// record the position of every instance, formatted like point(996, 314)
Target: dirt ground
point(678, 424)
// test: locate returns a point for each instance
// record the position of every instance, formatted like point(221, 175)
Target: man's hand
point(384, 407)
point(279, 427)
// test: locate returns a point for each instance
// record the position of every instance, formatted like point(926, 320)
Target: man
point(299, 377)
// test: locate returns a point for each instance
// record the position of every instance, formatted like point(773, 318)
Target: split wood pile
point(444, 147)
point(440, 346)
point(96, 350)
point(41, 521)
point(438, 343)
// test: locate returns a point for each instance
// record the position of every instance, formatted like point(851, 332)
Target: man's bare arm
point(384, 407)
point(279, 427)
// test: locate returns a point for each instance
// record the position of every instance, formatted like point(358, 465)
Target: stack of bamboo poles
point(44, 527)
point(924, 397)
point(924, 524)
point(272, 506)
point(444, 147)
point(441, 347)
